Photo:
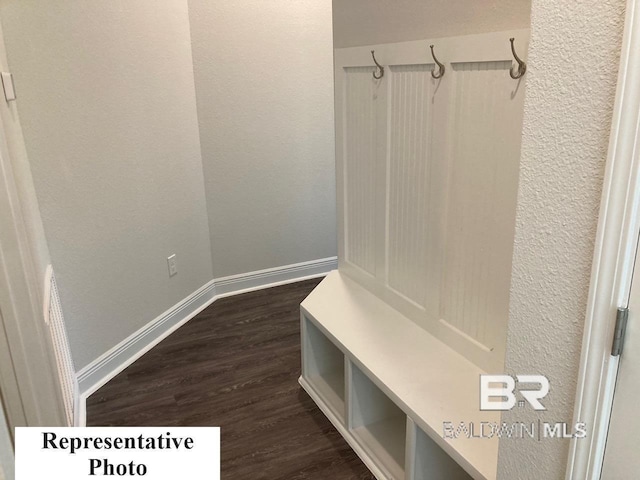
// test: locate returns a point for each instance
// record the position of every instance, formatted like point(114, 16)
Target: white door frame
point(613, 262)
point(7, 462)
point(29, 382)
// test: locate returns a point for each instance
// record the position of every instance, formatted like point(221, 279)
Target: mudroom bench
point(388, 386)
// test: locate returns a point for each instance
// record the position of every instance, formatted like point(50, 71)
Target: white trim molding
point(612, 269)
point(246, 282)
point(115, 360)
point(31, 390)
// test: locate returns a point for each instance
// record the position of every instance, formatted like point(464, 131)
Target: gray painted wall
point(368, 22)
point(564, 147)
point(107, 105)
point(107, 100)
point(99, 84)
point(264, 82)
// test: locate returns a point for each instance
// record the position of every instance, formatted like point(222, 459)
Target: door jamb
point(30, 384)
point(24, 331)
point(614, 253)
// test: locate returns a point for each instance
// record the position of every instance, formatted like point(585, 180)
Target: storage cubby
point(324, 367)
point(388, 385)
point(377, 424)
point(429, 462)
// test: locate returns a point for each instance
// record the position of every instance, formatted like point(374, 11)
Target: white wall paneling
point(361, 105)
point(427, 182)
point(414, 189)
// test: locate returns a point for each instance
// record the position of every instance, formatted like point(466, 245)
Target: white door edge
point(32, 392)
point(614, 253)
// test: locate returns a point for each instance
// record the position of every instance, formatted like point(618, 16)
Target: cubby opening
point(430, 462)
point(324, 368)
point(377, 424)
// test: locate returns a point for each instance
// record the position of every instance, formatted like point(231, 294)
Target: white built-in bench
point(388, 385)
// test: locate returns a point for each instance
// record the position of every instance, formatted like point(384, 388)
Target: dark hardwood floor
point(235, 365)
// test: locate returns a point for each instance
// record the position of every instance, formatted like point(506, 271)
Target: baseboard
point(112, 362)
point(273, 277)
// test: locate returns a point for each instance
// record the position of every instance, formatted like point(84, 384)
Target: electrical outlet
point(173, 265)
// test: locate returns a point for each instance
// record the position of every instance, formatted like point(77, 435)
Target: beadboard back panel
point(359, 168)
point(414, 194)
point(427, 183)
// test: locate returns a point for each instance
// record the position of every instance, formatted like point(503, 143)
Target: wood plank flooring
point(236, 365)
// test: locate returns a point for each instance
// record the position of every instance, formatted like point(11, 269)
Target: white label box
point(149, 453)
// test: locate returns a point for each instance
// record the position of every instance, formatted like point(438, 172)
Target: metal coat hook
point(522, 66)
point(380, 67)
point(440, 73)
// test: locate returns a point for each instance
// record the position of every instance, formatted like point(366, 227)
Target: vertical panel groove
point(360, 177)
point(409, 184)
point(481, 210)
point(431, 216)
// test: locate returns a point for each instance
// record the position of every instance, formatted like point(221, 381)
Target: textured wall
point(571, 81)
point(107, 105)
point(367, 22)
point(264, 83)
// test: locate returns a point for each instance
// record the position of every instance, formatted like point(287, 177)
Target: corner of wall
point(568, 109)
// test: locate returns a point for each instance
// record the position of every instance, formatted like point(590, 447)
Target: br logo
point(498, 392)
